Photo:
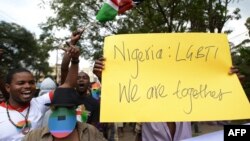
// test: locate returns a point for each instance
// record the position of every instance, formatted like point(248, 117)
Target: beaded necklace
point(25, 128)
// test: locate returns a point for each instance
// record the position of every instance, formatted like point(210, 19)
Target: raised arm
point(75, 37)
point(71, 79)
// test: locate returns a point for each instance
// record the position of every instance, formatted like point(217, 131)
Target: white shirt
point(159, 131)
point(8, 132)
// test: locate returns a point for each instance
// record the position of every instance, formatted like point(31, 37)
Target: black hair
point(86, 74)
point(11, 73)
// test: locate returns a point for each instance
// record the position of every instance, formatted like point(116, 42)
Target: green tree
point(247, 24)
point(150, 16)
point(21, 50)
point(241, 58)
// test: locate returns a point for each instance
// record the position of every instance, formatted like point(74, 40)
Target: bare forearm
point(65, 67)
point(69, 76)
point(71, 79)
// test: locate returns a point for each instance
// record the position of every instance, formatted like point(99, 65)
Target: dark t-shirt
point(93, 108)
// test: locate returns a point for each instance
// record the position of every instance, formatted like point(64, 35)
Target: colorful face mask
point(62, 122)
point(96, 91)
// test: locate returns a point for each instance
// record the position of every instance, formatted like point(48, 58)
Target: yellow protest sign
point(170, 77)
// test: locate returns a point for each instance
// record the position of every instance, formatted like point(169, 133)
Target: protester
point(90, 105)
point(166, 131)
point(89, 111)
point(159, 131)
point(46, 86)
point(84, 85)
point(62, 124)
point(22, 113)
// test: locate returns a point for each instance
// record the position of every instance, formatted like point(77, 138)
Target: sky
point(240, 31)
point(29, 14)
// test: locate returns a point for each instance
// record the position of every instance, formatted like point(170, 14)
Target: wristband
point(74, 61)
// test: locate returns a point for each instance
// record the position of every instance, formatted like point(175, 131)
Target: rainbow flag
point(96, 90)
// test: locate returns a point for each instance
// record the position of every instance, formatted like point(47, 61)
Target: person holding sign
point(160, 131)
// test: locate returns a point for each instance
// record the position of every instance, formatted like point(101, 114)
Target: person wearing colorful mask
point(46, 86)
point(62, 123)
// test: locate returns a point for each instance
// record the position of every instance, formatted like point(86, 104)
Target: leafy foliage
point(150, 16)
point(241, 58)
point(21, 50)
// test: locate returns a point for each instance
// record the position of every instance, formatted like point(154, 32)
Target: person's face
point(21, 89)
point(83, 82)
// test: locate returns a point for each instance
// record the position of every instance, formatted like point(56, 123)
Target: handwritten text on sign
point(168, 77)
